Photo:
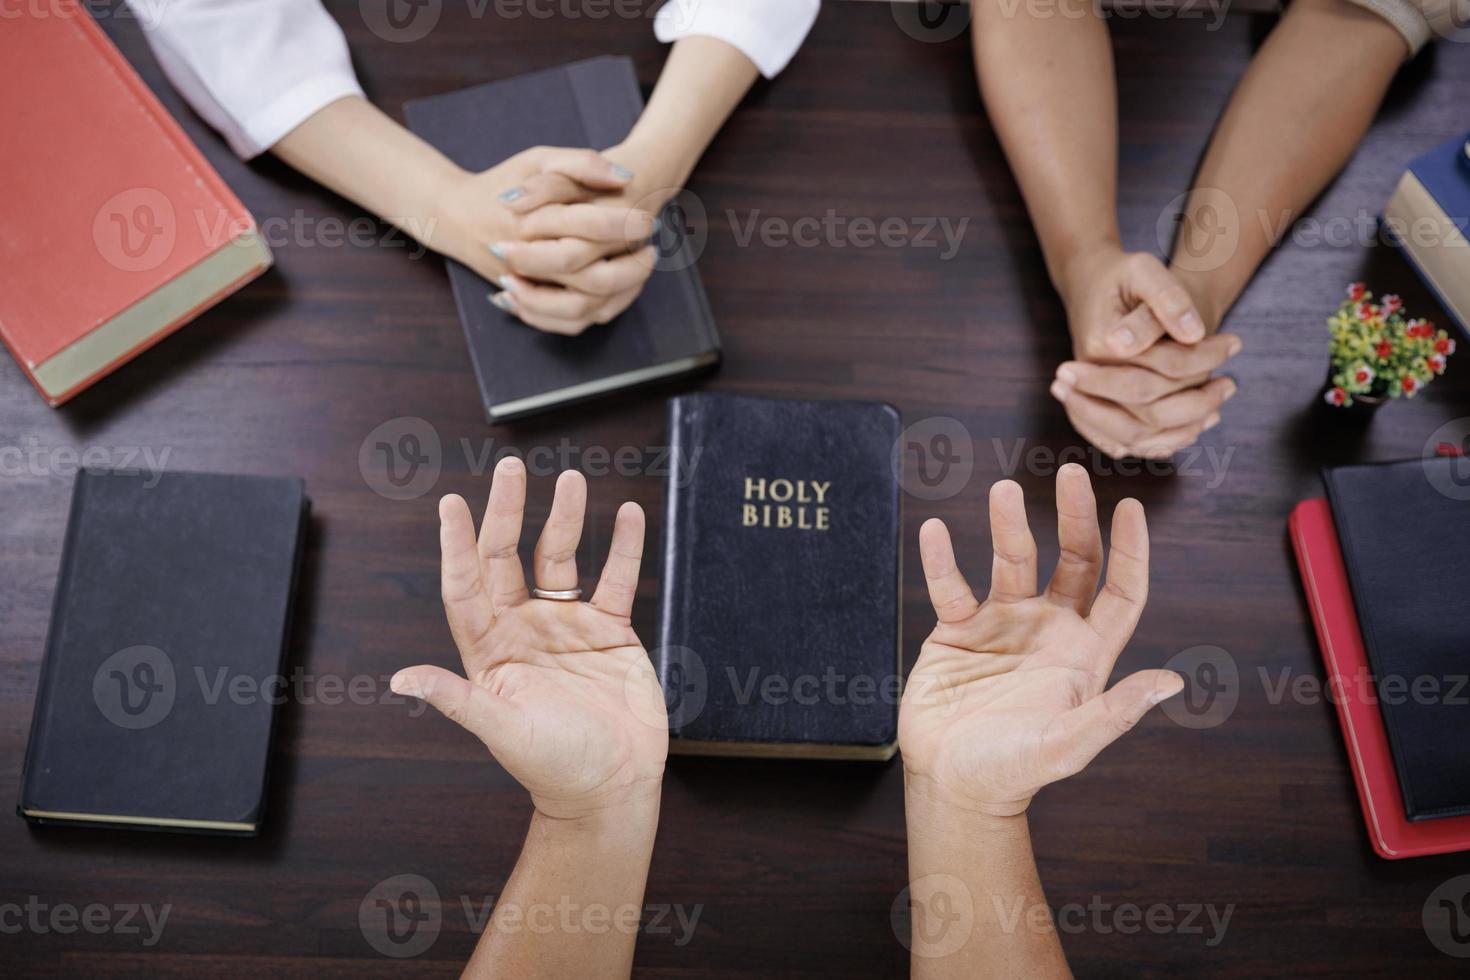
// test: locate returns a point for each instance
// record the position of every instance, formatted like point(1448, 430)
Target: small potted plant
point(1378, 353)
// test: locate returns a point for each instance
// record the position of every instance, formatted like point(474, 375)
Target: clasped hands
point(564, 234)
point(1141, 382)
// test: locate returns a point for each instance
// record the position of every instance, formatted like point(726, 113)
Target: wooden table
point(794, 867)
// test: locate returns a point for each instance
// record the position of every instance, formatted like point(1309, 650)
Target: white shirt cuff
point(253, 69)
point(768, 32)
point(262, 130)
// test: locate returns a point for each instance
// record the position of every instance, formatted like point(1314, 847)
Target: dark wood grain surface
point(794, 867)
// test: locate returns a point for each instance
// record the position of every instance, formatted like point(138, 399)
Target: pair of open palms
point(1009, 693)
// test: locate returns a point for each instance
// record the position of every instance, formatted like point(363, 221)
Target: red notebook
point(114, 231)
point(1314, 538)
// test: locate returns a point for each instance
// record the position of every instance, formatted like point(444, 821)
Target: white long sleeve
point(253, 69)
point(257, 69)
point(768, 32)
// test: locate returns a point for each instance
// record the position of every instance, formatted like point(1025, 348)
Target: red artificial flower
point(1383, 349)
point(1409, 385)
point(1363, 374)
point(1436, 363)
point(1367, 311)
point(1392, 304)
point(1445, 346)
point(1356, 291)
point(1336, 396)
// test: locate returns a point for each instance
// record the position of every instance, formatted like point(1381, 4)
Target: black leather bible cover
point(779, 617)
point(1405, 535)
point(162, 665)
point(669, 330)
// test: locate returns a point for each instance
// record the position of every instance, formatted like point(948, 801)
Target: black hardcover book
point(1405, 535)
point(667, 332)
point(779, 616)
point(163, 661)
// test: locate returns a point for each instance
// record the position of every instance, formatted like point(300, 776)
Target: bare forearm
point(1296, 117)
point(1047, 81)
point(978, 910)
point(574, 904)
point(702, 82)
point(355, 149)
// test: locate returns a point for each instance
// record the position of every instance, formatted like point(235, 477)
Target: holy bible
point(162, 670)
point(779, 610)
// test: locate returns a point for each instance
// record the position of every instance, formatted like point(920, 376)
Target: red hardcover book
point(114, 231)
point(1351, 683)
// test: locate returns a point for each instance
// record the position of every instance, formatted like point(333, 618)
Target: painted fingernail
point(1231, 389)
point(1193, 327)
point(1060, 390)
point(502, 300)
point(1122, 339)
point(498, 250)
point(506, 283)
point(514, 194)
point(1065, 373)
point(1212, 421)
point(404, 685)
point(1164, 694)
point(621, 172)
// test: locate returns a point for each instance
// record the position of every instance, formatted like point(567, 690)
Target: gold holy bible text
point(800, 505)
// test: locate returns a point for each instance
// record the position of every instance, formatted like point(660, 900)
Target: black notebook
point(163, 661)
point(667, 332)
point(1405, 535)
point(779, 615)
